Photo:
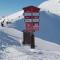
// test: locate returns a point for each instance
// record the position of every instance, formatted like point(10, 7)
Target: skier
point(2, 23)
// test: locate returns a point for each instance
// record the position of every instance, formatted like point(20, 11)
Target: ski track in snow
point(44, 50)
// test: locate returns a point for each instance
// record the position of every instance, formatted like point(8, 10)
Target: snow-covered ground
point(44, 50)
point(11, 47)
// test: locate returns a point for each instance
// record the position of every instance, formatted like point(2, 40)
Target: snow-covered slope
point(11, 47)
point(13, 17)
point(49, 27)
point(18, 35)
point(53, 6)
point(44, 50)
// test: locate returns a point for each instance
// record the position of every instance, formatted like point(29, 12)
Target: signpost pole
point(31, 23)
point(32, 41)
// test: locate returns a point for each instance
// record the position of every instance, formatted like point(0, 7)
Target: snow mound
point(52, 6)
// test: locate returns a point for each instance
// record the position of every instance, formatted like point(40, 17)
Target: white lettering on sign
point(28, 20)
point(36, 14)
point(35, 20)
point(31, 14)
point(27, 14)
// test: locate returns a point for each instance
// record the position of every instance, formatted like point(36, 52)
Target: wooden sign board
point(31, 27)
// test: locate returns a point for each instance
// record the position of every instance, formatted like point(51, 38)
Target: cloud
point(52, 6)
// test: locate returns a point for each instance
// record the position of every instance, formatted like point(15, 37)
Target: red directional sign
point(32, 27)
point(29, 27)
point(31, 15)
point(35, 26)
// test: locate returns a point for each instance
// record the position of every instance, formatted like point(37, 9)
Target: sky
point(8, 7)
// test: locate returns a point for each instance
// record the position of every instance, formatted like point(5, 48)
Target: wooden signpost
point(31, 18)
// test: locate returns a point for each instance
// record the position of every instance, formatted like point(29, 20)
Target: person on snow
point(2, 23)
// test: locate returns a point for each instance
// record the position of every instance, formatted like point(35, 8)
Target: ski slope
point(44, 50)
point(13, 17)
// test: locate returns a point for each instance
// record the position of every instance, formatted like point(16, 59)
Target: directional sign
point(35, 26)
point(31, 18)
point(32, 27)
point(29, 27)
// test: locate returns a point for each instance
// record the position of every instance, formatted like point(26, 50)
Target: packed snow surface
point(44, 50)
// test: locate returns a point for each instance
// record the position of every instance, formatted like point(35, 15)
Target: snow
point(13, 17)
point(44, 50)
point(53, 6)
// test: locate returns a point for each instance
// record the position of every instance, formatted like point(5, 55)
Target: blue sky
point(10, 6)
